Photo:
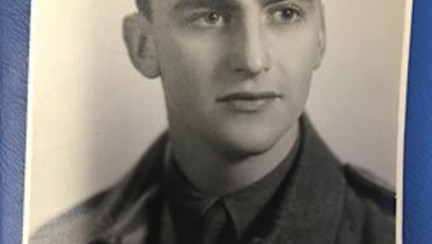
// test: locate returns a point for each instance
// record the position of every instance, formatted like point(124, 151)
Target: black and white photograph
point(216, 121)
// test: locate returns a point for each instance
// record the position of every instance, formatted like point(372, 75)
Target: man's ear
point(322, 39)
point(140, 45)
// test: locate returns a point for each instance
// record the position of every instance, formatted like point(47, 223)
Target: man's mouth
point(248, 102)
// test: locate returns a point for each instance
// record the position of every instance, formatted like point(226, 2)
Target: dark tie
point(217, 226)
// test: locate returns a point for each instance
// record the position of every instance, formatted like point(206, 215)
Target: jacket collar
point(308, 208)
point(133, 203)
point(311, 202)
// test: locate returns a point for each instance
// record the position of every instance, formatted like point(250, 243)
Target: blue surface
point(14, 17)
point(418, 140)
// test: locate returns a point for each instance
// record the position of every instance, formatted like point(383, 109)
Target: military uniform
point(321, 202)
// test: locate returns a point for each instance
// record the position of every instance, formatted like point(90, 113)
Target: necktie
point(217, 226)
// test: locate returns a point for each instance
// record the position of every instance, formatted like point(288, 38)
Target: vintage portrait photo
point(216, 121)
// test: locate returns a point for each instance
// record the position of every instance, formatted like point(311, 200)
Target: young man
point(240, 163)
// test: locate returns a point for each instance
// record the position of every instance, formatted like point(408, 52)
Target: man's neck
point(217, 175)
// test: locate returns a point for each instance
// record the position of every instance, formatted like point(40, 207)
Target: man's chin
point(243, 147)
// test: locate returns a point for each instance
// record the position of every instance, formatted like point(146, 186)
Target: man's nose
point(249, 51)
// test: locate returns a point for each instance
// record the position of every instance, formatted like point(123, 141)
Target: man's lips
point(248, 102)
point(248, 96)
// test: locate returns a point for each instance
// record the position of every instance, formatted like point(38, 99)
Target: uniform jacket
point(321, 202)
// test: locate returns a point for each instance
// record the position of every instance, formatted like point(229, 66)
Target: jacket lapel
point(310, 204)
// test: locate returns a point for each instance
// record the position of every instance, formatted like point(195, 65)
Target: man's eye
point(210, 19)
point(287, 15)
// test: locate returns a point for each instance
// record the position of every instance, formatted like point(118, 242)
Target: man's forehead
point(180, 3)
point(233, 1)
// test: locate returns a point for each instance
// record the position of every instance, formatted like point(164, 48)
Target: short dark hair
point(144, 7)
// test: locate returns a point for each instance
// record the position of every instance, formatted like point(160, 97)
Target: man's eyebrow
point(269, 2)
point(184, 4)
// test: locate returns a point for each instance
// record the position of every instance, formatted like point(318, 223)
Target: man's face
point(236, 73)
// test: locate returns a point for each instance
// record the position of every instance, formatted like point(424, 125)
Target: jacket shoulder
point(74, 226)
point(110, 209)
point(370, 187)
point(369, 210)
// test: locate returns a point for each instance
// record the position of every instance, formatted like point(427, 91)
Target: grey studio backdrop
point(92, 115)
